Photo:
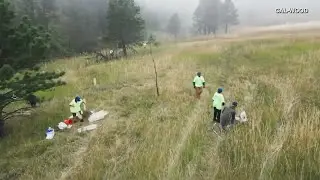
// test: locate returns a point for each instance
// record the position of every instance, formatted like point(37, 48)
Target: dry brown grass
point(170, 137)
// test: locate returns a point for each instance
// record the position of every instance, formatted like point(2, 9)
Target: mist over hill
point(251, 12)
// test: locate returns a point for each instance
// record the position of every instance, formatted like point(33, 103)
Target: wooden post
point(94, 81)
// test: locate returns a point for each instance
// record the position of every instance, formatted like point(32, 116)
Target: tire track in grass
point(193, 120)
point(78, 157)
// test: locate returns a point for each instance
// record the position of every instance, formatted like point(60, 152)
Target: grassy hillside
point(276, 80)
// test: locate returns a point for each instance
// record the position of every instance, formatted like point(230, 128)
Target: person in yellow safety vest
point(198, 84)
point(75, 107)
point(218, 103)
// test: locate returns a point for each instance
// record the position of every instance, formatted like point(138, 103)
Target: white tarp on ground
point(96, 116)
point(88, 128)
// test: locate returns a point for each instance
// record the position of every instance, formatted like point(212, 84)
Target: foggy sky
point(251, 12)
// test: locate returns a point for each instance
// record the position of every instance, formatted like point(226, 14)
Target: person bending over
point(75, 108)
point(228, 116)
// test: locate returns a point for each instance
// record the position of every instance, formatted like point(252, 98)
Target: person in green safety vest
point(75, 108)
point(198, 84)
point(218, 104)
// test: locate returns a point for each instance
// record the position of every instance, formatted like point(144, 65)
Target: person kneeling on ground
point(198, 84)
point(228, 116)
point(75, 107)
point(218, 103)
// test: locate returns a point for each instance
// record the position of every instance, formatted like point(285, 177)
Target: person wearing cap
point(218, 103)
point(198, 84)
point(75, 107)
point(228, 116)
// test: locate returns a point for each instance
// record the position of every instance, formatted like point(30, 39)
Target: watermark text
point(292, 11)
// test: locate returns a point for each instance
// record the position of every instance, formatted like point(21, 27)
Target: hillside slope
point(169, 137)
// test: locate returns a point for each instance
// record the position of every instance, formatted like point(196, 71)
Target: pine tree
point(229, 14)
point(198, 18)
point(207, 16)
point(125, 24)
point(28, 8)
point(174, 25)
point(213, 15)
point(40, 12)
point(48, 12)
point(152, 20)
point(82, 24)
point(22, 48)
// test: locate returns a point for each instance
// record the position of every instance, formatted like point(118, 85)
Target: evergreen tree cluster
point(210, 15)
point(22, 47)
point(78, 26)
point(174, 25)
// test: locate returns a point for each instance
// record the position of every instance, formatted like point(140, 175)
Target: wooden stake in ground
point(154, 65)
point(94, 81)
